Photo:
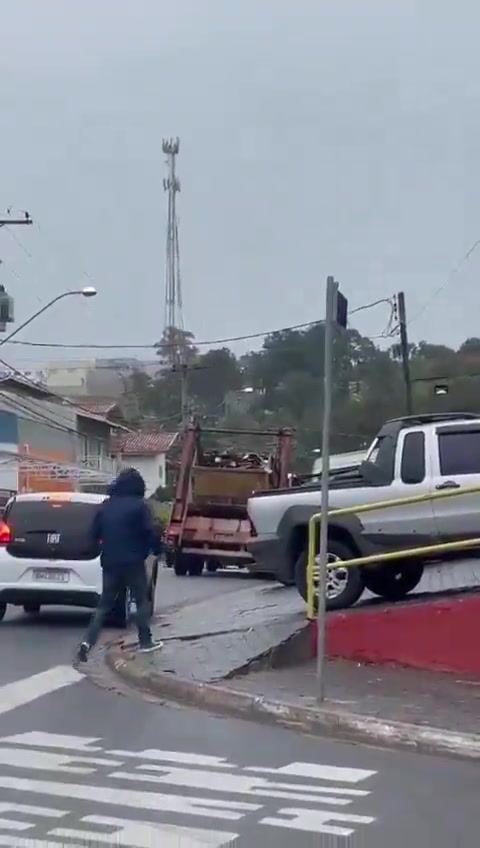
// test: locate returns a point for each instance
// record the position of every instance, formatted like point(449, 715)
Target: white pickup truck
point(410, 456)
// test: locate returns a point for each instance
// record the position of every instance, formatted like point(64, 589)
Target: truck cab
point(416, 455)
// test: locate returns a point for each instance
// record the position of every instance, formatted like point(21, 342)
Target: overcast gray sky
point(317, 137)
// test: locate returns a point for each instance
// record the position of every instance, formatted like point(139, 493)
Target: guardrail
point(444, 547)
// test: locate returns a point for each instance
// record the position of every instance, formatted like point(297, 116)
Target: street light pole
point(88, 291)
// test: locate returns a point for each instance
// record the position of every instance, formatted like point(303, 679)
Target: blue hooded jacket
point(123, 525)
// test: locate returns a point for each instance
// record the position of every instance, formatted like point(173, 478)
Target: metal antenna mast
point(173, 284)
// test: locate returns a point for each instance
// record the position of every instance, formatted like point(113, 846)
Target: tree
point(176, 347)
point(215, 374)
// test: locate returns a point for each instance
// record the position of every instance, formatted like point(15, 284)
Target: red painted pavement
point(442, 635)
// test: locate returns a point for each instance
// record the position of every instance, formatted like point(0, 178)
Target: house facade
point(147, 452)
point(48, 444)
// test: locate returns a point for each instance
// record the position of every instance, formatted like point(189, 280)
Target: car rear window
point(53, 529)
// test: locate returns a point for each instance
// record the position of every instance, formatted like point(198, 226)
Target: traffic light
point(341, 310)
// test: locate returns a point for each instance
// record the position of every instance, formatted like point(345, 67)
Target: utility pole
point(404, 350)
point(6, 301)
point(336, 315)
point(184, 393)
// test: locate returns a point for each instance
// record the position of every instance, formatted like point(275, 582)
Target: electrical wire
point(437, 292)
point(195, 343)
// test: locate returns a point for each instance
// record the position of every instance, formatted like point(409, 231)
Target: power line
point(203, 343)
point(455, 270)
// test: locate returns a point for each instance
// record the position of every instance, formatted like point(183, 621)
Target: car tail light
point(5, 533)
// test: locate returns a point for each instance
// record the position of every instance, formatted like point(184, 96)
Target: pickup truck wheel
point(393, 582)
point(31, 609)
point(212, 565)
point(344, 584)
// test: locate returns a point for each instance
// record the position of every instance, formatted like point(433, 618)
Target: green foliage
point(282, 385)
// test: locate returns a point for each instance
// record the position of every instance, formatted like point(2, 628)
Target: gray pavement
point(84, 765)
point(155, 765)
point(426, 699)
point(30, 643)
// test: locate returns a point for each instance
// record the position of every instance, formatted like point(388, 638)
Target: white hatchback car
point(47, 556)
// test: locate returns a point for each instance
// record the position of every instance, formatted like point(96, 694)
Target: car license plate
point(51, 576)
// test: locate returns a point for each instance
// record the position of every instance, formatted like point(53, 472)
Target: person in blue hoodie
point(124, 529)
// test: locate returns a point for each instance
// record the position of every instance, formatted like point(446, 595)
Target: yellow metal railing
point(440, 548)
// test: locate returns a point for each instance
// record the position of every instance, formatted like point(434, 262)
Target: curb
point(319, 722)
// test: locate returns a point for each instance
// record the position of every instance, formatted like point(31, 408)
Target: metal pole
point(331, 296)
point(402, 319)
point(41, 311)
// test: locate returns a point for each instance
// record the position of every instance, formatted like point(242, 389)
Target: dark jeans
point(134, 579)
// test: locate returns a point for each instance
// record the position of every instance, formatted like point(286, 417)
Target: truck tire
point(180, 564)
point(344, 585)
point(195, 567)
point(393, 582)
point(212, 565)
point(169, 558)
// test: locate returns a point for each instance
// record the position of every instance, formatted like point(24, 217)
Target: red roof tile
point(98, 407)
point(143, 444)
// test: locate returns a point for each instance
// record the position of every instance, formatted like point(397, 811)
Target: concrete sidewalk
point(236, 657)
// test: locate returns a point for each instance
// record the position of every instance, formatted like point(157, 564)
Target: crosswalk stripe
point(46, 761)
point(22, 692)
point(236, 787)
point(145, 835)
point(194, 806)
point(37, 739)
point(317, 772)
point(316, 821)
point(25, 842)
point(316, 800)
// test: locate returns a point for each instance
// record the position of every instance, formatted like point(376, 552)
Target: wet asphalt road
point(84, 762)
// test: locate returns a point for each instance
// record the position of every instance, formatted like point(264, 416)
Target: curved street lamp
point(87, 291)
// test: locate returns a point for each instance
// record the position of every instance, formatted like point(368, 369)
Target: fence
point(424, 551)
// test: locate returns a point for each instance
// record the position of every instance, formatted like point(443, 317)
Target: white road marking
point(10, 824)
point(46, 761)
point(316, 821)
point(145, 834)
point(29, 810)
point(239, 782)
point(22, 692)
point(194, 806)
point(179, 757)
point(180, 771)
point(37, 739)
point(317, 772)
point(21, 842)
point(235, 784)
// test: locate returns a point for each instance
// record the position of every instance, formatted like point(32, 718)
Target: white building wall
point(152, 469)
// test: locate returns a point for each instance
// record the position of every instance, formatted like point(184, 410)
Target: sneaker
point(148, 647)
point(83, 652)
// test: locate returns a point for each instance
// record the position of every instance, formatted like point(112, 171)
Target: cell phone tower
point(173, 282)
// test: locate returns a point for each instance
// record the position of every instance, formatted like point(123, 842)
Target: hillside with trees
point(281, 384)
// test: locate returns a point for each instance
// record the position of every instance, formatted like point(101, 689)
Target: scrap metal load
point(209, 521)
